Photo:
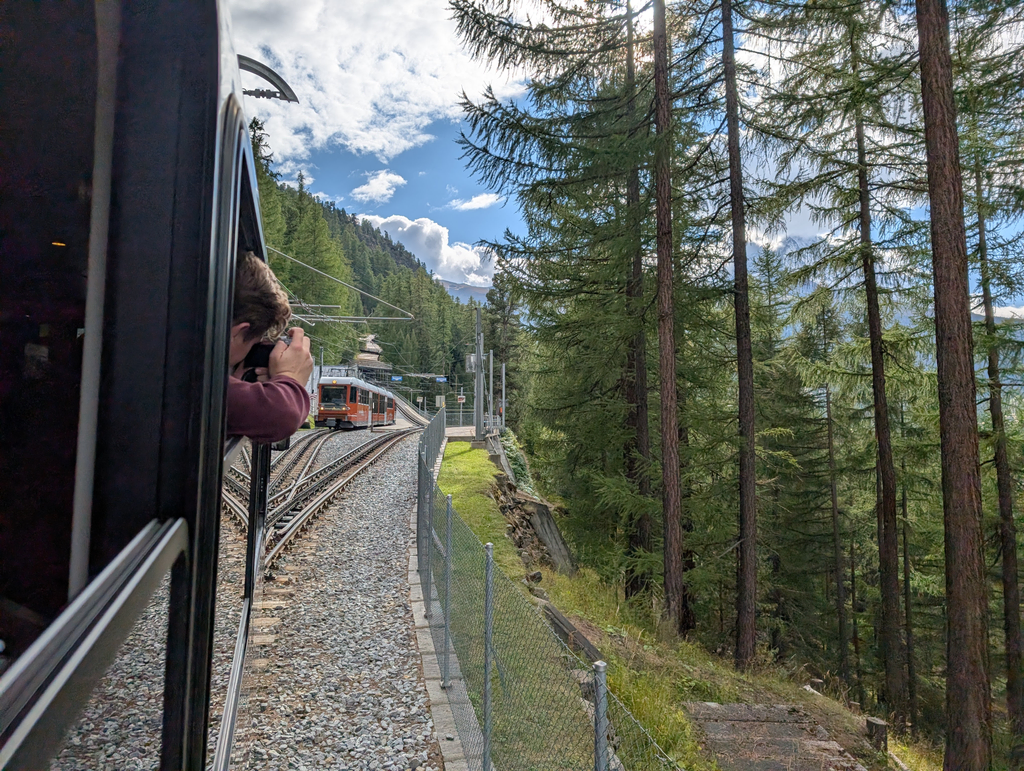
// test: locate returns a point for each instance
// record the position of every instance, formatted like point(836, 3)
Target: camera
point(259, 356)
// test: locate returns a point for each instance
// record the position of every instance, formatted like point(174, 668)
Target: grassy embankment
point(651, 676)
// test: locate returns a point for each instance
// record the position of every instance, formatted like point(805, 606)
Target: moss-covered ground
point(651, 675)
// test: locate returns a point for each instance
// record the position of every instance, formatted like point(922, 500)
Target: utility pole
point(503, 406)
point(478, 391)
point(490, 393)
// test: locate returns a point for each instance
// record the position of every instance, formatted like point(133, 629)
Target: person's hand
point(262, 374)
point(292, 360)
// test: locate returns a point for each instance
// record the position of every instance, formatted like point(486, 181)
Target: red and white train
point(348, 402)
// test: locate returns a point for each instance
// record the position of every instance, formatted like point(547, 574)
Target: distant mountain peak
point(464, 292)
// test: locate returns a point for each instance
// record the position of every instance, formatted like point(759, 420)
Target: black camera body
point(259, 356)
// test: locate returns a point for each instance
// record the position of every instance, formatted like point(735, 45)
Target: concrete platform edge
point(452, 752)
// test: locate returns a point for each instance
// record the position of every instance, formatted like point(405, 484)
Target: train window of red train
point(333, 394)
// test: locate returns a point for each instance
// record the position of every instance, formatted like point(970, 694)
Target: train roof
point(334, 380)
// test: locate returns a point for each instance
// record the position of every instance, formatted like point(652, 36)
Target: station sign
point(461, 399)
point(442, 380)
point(396, 378)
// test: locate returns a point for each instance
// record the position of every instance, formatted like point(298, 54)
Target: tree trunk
point(895, 691)
point(638, 447)
point(746, 583)
point(673, 535)
point(856, 634)
point(1004, 482)
point(968, 706)
point(907, 606)
point(687, 617)
point(837, 545)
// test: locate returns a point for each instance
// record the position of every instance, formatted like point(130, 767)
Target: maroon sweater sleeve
point(266, 412)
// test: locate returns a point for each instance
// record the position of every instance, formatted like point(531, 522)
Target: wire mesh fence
point(522, 700)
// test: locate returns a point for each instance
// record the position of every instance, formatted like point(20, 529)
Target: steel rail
point(308, 486)
point(285, 463)
point(290, 490)
point(344, 474)
point(237, 509)
point(284, 457)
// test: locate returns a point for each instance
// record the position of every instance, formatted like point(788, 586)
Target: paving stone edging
point(452, 751)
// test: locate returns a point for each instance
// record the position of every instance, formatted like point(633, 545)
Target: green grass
point(917, 756)
point(468, 476)
point(650, 673)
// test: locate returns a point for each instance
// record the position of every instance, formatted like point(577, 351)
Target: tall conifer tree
point(968, 708)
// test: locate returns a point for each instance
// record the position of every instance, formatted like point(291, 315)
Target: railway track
point(283, 467)
point(321, 488)
point(300, 491)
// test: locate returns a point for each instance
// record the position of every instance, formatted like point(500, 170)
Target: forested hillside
point(334, 242)
point(805, 455)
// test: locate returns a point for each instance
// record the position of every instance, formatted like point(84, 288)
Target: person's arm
point(266, 412)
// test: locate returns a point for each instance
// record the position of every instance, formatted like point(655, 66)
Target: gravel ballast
point(231, 580)
point(338, 683)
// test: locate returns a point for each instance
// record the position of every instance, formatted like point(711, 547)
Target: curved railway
point(300, 488)
point(305, 480)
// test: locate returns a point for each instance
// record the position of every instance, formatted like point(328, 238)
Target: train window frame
point(186, 713)
point(59, 671)
point(43, 691)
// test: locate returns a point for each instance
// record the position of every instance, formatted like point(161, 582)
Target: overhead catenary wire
point(345, 284)
point(321, 317)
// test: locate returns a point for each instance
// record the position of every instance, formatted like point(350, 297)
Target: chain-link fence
point(522, 700)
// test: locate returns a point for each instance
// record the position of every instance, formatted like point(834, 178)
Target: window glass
point(333, 395)
point(47, 117)
point(353, 395)
point(121, 726)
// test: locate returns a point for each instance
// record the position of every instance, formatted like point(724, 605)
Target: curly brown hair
point(259, 299)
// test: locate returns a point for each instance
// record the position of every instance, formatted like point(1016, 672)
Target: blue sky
point(378, 86)
point(428, 182)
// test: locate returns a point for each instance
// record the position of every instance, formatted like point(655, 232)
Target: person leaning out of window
point(273, 407)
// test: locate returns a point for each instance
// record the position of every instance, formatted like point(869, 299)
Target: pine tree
point(846, 57)
point(968, 709)
point(746, 590)
point(990, 82)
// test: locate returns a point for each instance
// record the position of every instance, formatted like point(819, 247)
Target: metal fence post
point(445, 679)
point(488, 633)
point(600, 716)
point(421, 511)
point(428, 592)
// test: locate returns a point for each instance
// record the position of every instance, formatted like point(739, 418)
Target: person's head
point(261, 307)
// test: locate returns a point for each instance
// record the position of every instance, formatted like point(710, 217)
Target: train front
point(332, 404)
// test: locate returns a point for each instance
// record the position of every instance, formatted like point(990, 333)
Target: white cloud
point(370, 76)
point(1006, 312)
point(379, 187)
point(328, 197)
point(429, 242)
point(482, 201)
